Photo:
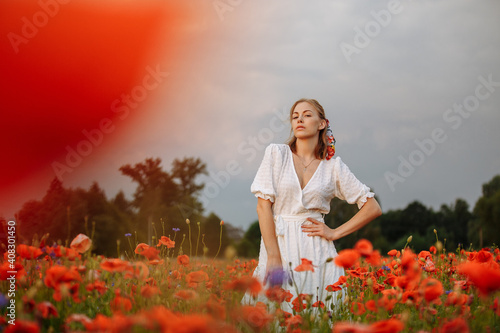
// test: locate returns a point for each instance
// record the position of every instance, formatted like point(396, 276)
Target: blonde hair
point(321, 148)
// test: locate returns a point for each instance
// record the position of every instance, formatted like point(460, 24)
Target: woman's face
point(306, 122)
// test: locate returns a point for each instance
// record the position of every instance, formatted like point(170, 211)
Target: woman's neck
point(306, 148)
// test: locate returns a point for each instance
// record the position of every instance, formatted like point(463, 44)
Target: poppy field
point(163, 287)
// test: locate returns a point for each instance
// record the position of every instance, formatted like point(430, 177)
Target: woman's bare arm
point(367, 213)
point(267, 229)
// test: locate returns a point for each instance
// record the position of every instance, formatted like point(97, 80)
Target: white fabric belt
point(280, 220)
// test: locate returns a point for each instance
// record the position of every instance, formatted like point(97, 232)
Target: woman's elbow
point(376, 210)
point(263, 205)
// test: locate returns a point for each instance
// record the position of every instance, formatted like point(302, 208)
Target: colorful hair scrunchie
point(331, 141)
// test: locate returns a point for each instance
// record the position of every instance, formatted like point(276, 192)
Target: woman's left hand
point(318, 228)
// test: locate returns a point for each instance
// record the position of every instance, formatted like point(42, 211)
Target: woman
point(294, 186)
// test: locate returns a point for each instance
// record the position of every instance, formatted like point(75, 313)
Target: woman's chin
point(303, 136)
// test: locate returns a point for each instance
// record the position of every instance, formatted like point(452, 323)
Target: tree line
point(455, 225)
point(160, 206)
point(163, 200)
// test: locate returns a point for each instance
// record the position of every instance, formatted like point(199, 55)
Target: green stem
point(198, 240)
point(190, 244)
point(220, 243)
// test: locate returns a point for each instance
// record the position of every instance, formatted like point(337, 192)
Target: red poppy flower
point(410, 266)
point(120, 304)
point(433, 249)
point(255, 316)
point(371, 305)
point(81, 243)
point(47, 309)
point(423, 255)
point(176, 275)
point(28, 252)
point(394, 252)
point(432, 289)
point(293, 322)
point(137, 270)
point(183, 260)
point(23, 326)
point(164, 240)
point(457, 299)
point(186, 294)
point(156, 262)
point(483, 256)
point(495, 307)
point(342, 279)
point(337, 285)
point(347, 327)
point(387, 302)
point(245, 283)
point(61, 251)
point(278, 294)
point(357, 308)
point(429, 265)
point(100, 286)
point(141, 247)
point(194, 279)
point(5, 269)
point(411, 296)
point(333, 287)
point(387, 326)
point(148, 291)
point(318, 304)
point(114, 265)
point(147, 251)
point(216, 308)
point(282, 316)
point(364, 247)
point(391, 279)
point(300, 302)
point(60, 274)
point(374, 258)
point(457, 325)
point(408, 259)
point(483, 276)
point(67, 289)
point(193, 323)
point(306, 265)
point(347, 258)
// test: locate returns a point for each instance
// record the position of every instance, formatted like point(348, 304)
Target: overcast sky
point(391, 75)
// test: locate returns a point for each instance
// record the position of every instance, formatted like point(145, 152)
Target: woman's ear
point(322, 124)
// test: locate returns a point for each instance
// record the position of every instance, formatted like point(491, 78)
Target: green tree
point(211, 229)
point(452, 224)
point(341, 212)
point(249, 246)
point(63, 213)
point(48, 216)
point(484, 230)
point(162, 195)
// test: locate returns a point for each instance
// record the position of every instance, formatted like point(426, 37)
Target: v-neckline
point(297, 175)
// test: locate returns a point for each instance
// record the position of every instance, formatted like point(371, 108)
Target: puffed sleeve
point(348, 187)
point(263, 185)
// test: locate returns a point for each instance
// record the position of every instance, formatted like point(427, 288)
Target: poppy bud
point(439, 246)
point(221, 222)
point(409, 239)
point(187, 221)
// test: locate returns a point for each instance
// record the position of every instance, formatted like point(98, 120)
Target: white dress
point(277, 181)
